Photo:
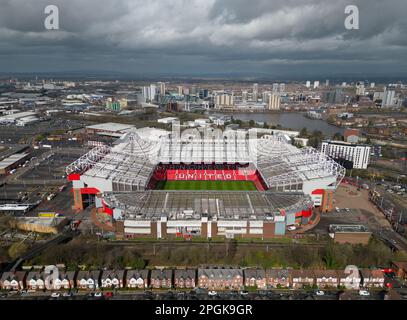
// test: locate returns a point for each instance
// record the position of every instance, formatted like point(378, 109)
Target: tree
point(337, 136)
point(17, 249)
point(304, 133)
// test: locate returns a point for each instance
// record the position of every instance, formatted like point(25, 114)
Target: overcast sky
point(270, 37)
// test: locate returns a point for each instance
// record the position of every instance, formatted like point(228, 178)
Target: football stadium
point(227, 184)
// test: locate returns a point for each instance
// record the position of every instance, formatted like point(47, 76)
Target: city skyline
point(280, 39)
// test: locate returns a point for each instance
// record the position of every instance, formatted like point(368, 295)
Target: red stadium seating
point(218, 172)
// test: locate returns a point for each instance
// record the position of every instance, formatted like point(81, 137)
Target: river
point(291, 120)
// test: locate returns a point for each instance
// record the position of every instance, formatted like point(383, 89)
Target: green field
point(206, 185)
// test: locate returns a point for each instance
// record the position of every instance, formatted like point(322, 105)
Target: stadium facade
point(122, 181)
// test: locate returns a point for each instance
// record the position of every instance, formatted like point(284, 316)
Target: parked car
point(244, 293)
point(291, 228)
point(55, 295)
point(320, 293)
point(364, 293)
point(108, 294)
point(67, 294)
point(98, 294)
point(212, 293)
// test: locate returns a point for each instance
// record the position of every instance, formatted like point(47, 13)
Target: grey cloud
point(140, 36)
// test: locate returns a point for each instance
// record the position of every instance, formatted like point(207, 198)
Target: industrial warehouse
point(228, 184)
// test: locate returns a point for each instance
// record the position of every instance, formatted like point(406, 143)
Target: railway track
point(214, 244)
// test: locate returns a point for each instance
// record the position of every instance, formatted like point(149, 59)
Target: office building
point(161, 88)
point(224, 99)
point(334, 96)
point(150, 92)
point(388, 96)
point(255, 91)
point(350, 155)
point(244, 96)
point(274, 102)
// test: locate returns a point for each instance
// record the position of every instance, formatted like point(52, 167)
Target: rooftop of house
point(255, 273)
point(221, 273)
point(185, 273)
point(326, 273)
point(136, 274)
point(302, 273)
point(277, 273)
point(161, 274)
point(94, 274)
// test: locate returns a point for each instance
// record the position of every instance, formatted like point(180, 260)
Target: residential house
point(137, 279)
point(184, 278)
point(64, 280)
point(220, 278)
point(372, 278)
point(88, 280)
point(112, 279)
point(349, 280)
point(13, 280)
point(255, 278)
point(161, 278)
point(35, 280)
point(278, 278)
point(326, 278)
point(302, 278)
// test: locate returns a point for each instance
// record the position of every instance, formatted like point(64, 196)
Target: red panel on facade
point(74, 176)
point(307, 213)
point(318, 191)
point(109, 211)
point(106, 209)
point(90, 191)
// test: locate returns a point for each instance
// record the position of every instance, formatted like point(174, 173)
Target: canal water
point(289, 120)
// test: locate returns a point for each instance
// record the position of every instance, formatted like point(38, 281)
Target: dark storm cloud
point(203, 36)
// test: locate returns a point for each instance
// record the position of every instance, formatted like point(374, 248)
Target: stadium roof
point(7, 162)
point(222, 204)
point(131, 161)
point(110, 126)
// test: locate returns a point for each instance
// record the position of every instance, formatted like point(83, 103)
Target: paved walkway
point(95, 218)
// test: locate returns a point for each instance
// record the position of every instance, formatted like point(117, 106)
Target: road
point(202, 295)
